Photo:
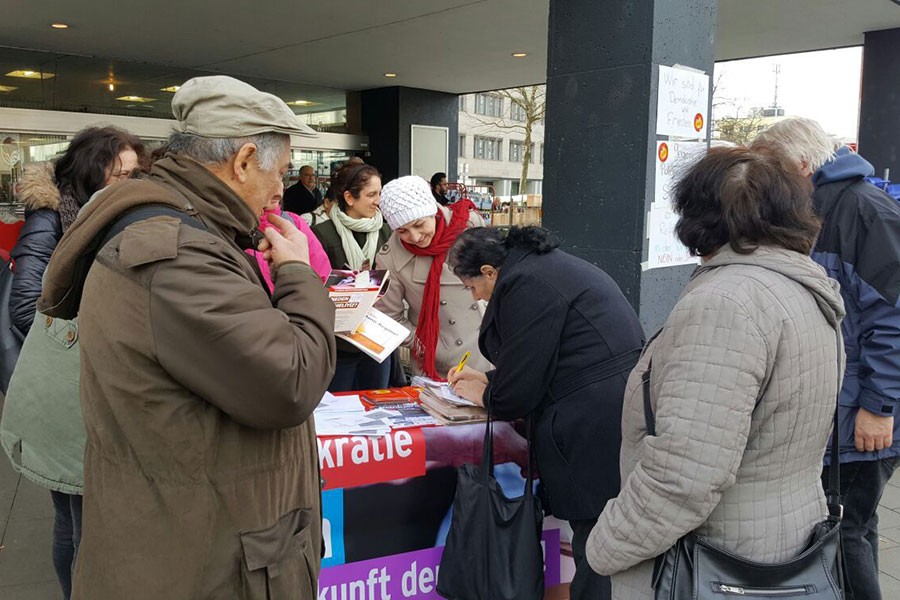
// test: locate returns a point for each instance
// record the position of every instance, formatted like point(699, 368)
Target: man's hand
point(284, 242)
point(873, 432)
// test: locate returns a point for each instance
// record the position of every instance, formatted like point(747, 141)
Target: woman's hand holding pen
point(467, 373)
point(468, 383)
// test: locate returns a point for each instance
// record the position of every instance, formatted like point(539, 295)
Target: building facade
point(491, 144)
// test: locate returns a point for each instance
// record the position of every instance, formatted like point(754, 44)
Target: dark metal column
point(601, 123)
point(879, 111)
point(387, 117)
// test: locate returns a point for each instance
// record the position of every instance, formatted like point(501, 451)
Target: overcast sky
point(820, 85)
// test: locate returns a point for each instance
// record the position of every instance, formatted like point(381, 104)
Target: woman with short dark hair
point(745, 199)
point(562, 339)
point(743, 378)
point(53, 193)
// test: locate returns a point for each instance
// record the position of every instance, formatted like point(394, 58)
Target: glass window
point(489, 105)
point(515, 151)
point(488, 148)
point(517, 113)
point(462, 104)
point(462, 146)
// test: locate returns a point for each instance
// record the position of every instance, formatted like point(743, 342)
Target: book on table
point(443, 404)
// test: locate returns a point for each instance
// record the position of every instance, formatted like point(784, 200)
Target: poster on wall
point(683, 104)
point(672, 158)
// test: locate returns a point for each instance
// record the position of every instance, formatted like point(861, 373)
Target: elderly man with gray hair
point(859, 246)
point(201, 466)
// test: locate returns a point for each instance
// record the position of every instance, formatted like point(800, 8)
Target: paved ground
point(26, 522)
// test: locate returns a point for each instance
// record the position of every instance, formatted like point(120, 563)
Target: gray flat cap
point(224, 107)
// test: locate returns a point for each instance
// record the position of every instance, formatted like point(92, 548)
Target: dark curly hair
point(746, 198)
point(352, 178)
point(81, 170)
point(480, 246)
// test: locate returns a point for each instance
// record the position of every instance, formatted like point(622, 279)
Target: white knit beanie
point(406, 199)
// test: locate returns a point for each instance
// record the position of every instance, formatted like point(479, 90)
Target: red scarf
point(428, 327)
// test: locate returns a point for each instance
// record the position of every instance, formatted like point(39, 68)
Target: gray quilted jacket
point(744, 379)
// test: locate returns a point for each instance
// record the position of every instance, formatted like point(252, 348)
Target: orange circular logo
point(663, 152)
point(698, 122)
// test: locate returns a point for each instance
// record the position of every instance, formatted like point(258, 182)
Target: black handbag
point(493, 550)
point(11, 339)
point(694, 569)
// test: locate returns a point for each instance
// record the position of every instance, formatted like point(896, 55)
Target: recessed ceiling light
point(171, 89)
point(303, 103)
point(29, 74)
point(135, 99)
point(390, 74)
point(7, 88)
point(59, 26)
point(111, 87)
point(520, 54)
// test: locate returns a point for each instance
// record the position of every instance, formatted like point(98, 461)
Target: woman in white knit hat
point(351, 238)
point(442, 316)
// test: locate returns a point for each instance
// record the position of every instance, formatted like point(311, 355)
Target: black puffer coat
point(37, 240)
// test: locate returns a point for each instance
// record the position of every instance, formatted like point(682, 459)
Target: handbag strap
point(487, 452)
point(833, 492)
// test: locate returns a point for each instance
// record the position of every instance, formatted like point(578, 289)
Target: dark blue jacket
point(37, 240)
point(299, 200)
point(859, 246)
point(563, 340)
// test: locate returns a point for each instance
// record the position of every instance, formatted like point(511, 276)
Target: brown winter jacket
point(201, 469)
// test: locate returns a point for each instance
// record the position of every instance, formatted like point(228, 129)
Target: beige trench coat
point(460, 315)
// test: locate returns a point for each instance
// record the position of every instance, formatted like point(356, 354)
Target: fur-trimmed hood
point(37, 189)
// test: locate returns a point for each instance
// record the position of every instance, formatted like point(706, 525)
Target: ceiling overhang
point(456, 46)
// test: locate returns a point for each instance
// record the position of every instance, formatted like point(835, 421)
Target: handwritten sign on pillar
point(672, 159)
point(683, 103)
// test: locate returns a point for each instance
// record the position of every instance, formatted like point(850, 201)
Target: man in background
point(439, 188)
point(303, 196)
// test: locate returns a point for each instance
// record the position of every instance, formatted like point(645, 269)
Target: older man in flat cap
point(201, 469)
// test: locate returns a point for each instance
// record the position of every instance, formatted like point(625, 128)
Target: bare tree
point(740, 130)
point(729, 122)
point(530, 102)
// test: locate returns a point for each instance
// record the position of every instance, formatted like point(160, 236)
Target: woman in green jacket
point(42, 430)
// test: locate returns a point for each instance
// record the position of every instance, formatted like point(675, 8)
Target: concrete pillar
point(879, 110)
point(600, 136)
point(387, 118)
